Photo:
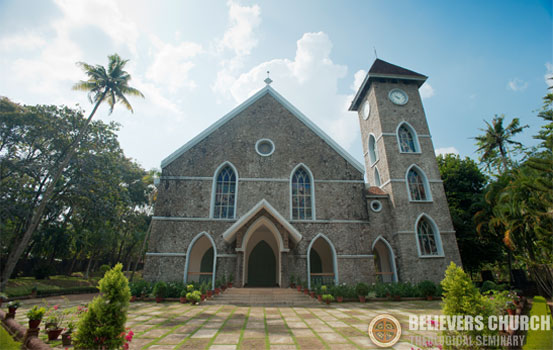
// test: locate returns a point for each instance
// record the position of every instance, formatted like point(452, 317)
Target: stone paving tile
point(161, 347)
point(322, 328)
point(155, 333)
point(194, 344)
point(140, 328)
point(363, 341)
point(348, 332)
point(257, 333)
point(172, 339)
point(302, 332)
point(205, 333)
point(283, 347)
point(227, 338)
point(138, 343)
point(297, 325)
point(347, 346)
point(310, 343)
point(222, 347)
point(280, 339)
point(189, 328)
point(333, 338)
point(252, 344)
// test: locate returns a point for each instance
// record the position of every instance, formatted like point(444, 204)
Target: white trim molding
point(190, 246)
point(392, 255)
point(264, 91)
point(437, 237)
point(334, 260)
point(268, 141)
point(165, 254)
point(355, 256)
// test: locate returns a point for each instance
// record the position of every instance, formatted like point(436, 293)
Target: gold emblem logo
point(384, 330)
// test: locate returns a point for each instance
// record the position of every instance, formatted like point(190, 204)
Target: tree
point(464, 186)
point(495, 144)
point(103, 85)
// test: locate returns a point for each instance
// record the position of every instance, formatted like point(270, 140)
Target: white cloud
point(358, 78)
point(517, 84)
point(240, 36)
point(426, 91)
point(549, 74)
point(171, 64)
point(446, 150)
point(23, 41)
point(307, 80)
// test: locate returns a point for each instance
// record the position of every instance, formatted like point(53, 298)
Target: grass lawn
point(6, 341)
point(23, 285)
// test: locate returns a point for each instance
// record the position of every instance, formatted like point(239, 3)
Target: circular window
point(376, 206)
point(264, 147)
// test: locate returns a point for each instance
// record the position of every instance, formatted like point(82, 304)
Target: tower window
point(417, 185)
point(225, 194)
point(407, 139)
point(428, 239)
point(302, 207)
point(377, 177)
point(373, 152)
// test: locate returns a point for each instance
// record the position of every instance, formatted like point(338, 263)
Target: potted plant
point(160, 289)
point(510, 307)
point(339, 292)
point(203, 291)
point(395, 290)
point(135, 288)
point(3, 297)
point(35, 316)
point(13, 306)
point(54, 318)
point(427, 289)
point(362, 289)
point(224, 282)
point(230, 280)
point(292, 281)
point(70, 326)
point(34, 291)
point(298, 286)
point(193, 297)
point(327, 298)
point(183, 296)
point(305, 289)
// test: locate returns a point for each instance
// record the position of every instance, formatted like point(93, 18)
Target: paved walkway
point(344, 326)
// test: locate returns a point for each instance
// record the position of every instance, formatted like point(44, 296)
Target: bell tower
point(400, 161)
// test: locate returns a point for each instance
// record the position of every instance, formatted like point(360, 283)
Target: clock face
point(366, 110)
point(398, 96)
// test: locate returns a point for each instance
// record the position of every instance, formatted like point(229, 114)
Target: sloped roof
point(293, 110)
point(229, 234)
point(383, 69)
point(376, 191)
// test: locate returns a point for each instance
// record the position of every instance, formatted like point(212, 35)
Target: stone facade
point(359, 233)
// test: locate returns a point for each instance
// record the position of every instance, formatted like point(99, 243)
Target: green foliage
point(14, 304)
point(327, 297)
point(427, 288)
point(36, 313)
point(323, 289)
point(539, 339)
point(362, 289)
point(43, 271)
point(104, 268)
point(183, 293)
point(174, 289)
point(461, 297)
point(380, 290)
point(104, 322)
point(488, 286)
point(160, 289)
point(194, 296)
point(7, 342)
point(292, 279)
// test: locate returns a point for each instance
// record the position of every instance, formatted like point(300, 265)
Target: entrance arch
point(384, 260)
point(262, 246)
point(201, 260)
point(322, 267)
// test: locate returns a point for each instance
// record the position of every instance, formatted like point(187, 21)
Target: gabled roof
point(383, 69)
point(264, 91)
point(229, 234)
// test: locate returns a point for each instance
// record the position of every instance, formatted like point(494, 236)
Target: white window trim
point(376, 157)
point(415, 138)
point(214, 189)
point(437, 237)
point(334, 260)
point(262, 140)
point(425, 182)
point(312, 178)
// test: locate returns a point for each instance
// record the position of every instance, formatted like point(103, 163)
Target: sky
point(197, 60)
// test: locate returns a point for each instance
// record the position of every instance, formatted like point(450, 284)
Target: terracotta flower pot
point(209, 293)
point(510, 312)
point(312, 294)
point(292, 285)
point(306, 291)
point(230, 284)
point(202, 297)
point(217, 291)
point(66, 339)
point(397, 297)
point(182, 300)
point(362, 298)
point(34, 323)
point(53, 334)
point(133, 298)
point(327, 302)
point(339, 299)
point(319, 297)
point(429, 297)
point(12, 310)
point(159, 300)
point(299, 288)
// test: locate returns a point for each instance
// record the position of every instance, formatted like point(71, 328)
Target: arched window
point(429, 241)
point(302, 201)
point(407, 139)
point(225, 194)
point(417, 185)
point(376, 177)
point(373, 152)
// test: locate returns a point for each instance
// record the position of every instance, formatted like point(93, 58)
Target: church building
point(264, 195)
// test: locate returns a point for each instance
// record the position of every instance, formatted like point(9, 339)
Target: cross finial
point(268, 81)
point(375, 54)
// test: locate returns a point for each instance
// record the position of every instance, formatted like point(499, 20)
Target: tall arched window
point(373, 152)
point(225, 194)
point(377, 181)
point(428, 238)
point(302, 201)
point(407, 139)
point(417, 185)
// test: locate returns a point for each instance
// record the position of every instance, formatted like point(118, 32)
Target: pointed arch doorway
point(262, 266)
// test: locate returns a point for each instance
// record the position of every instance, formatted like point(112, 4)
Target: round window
point(265, 147)
point(376, 206)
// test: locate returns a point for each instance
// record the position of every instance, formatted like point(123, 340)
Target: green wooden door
point(262, 266)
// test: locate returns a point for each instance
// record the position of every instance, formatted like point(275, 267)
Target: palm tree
point(109, 85)
point(494, 144)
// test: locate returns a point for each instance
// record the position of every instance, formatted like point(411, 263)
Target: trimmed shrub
point(362, 289)
point(103, 324)
point(427, 288)
point(174, 289)
point(160, 289)
point(43, 271)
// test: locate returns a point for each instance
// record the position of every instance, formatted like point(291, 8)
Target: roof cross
point(268, 81)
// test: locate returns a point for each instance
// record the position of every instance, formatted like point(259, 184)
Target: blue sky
point(196, 60)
